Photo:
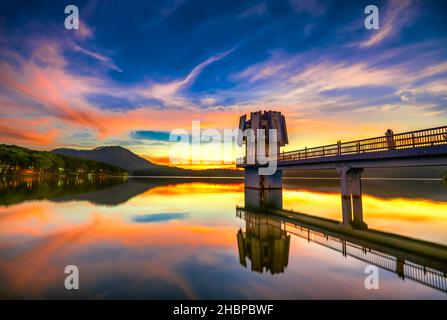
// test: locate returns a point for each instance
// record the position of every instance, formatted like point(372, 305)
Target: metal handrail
point(405, 140)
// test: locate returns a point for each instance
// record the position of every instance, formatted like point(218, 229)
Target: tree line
point(16, 160)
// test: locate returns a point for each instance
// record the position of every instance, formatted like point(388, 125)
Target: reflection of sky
point(412, 217)
point(159, 217)
point(193, 257)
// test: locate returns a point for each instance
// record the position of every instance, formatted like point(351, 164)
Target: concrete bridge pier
point(345, 189)
point(254, 180)
point(357, 206)
point(263, 198)
point(263, 191)
point(351, 198)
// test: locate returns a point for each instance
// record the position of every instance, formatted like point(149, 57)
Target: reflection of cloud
point(159, 217)
point(183, 259)
point(38, 269)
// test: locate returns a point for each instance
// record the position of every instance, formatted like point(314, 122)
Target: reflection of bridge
point(411, 149)
point(420, 261)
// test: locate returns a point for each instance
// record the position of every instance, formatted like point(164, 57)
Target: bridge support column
point(263, 191)
point(357, 206)
point(263, 198)
point(351, 198)
point(345, 197)
point(255, 181)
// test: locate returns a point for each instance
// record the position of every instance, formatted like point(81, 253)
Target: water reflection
point(267, 236)
point(18, 189)
point(179, 238)
point(265, 243)
point(109, 191)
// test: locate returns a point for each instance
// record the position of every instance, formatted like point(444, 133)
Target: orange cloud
point(22, 135)
point(48, 92)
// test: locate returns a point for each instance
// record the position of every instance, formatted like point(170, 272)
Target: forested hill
point(15, 159)
point(113, 155)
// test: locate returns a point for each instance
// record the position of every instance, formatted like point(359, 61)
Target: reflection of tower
point(265, 243)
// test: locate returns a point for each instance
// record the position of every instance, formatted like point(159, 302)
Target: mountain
point(113, 155)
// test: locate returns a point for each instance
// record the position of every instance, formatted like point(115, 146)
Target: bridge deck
point(416, 148)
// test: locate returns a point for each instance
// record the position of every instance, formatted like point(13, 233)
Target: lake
point(184, 238)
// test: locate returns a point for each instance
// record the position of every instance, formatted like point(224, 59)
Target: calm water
point(183, 238)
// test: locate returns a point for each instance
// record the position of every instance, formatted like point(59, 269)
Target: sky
point(134, 71)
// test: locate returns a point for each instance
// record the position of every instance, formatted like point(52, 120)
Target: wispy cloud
point(397, 15)
point(331, 88)
point(168, 92)
point(326, 79)
point(315, 7)
point(20, 132)
point(84, 31)
point(256, 10)
point(106, 60)
point(49, 87)
point(60, 102)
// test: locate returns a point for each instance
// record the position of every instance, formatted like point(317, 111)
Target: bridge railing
point(406, 140)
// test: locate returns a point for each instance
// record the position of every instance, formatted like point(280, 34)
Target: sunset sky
point(135, 71)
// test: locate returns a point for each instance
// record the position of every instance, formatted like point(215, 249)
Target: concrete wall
point(263, 198)
point(255, 181)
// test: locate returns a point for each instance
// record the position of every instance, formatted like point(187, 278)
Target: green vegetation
point(19, 160)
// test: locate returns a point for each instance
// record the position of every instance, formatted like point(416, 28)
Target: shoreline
point(55, 175)
point(59, 175)
point(284, 178)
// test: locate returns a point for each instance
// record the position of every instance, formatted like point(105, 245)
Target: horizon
point(130, 82)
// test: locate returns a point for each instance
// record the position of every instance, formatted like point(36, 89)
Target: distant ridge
point(113, 155)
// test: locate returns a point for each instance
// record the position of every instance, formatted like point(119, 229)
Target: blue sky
point(153, 66)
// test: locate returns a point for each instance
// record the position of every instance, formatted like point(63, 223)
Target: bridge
point(409, 149)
